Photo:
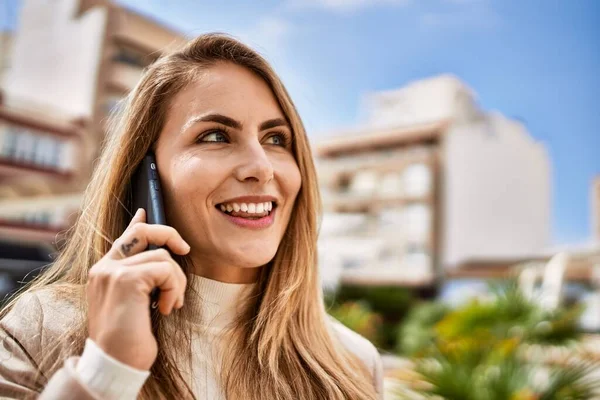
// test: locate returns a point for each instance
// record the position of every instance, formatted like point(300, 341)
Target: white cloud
point(462, 14)
point(269, 35)
point(464, 2)
point(343, 6)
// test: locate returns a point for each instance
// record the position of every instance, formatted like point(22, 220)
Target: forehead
point(227, 89)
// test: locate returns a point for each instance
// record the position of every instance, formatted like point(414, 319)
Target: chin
point(252, 258)
point(255, 262)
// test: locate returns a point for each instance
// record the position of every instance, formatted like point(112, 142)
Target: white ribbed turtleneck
point(214, 306)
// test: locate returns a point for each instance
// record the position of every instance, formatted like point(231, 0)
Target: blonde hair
point(282, 346)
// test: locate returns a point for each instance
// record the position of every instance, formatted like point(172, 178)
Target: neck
point(216, 305)
point(224, 273)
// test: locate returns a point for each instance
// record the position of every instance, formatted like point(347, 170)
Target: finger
point(164, 276)
point(159, 255)
point(137, 238)
point(139, 216)
point(148, 256)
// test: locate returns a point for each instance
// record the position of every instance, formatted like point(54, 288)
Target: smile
point(249, 215)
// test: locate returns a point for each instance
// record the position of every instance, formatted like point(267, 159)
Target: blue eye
point(218, 137)
point(277, 140)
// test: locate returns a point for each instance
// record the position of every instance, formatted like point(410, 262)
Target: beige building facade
point(431, 182)
point(5, 50)
point(595, 209)
point(63, 71)
point(68, 66)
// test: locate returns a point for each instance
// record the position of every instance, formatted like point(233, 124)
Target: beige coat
point(32, 328)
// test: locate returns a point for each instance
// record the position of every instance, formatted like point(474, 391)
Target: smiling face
point(228, 173)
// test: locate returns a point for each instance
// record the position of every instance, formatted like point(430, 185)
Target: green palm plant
point(475, 351)
point(508, 379)
point(417, 333)
point(576, 382)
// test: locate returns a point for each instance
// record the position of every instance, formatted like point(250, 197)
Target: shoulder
point(40, 318)
point(361, 348)
point(53, 308)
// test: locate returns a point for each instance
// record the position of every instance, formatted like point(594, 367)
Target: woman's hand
point(119, 286)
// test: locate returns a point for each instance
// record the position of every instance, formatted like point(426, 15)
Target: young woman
point(241, 310)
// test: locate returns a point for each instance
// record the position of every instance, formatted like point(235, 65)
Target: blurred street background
point(458, 149)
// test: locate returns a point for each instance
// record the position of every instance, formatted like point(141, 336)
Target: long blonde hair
point(283, 346)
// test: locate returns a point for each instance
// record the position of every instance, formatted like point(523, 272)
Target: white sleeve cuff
point(107, 377)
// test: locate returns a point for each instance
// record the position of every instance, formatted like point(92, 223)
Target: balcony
point(358, 203)
point(373, 140)
point(379, 162)
point(32, 143)
point(24, 152)
point(37, 219)
point(145, 34)
point(379, 276)
point(368, 257)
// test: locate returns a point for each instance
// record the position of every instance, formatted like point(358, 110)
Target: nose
point(254, 165)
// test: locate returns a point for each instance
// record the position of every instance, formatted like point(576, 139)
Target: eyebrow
point(272, 123)
point(232, 123)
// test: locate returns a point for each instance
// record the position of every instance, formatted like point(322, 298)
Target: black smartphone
point(146, 194)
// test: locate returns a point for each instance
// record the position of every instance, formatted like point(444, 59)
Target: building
point(595, 211)
point(62, 73)
point(5, 50)
point(430, 183)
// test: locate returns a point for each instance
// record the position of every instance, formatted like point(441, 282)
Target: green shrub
point(393, 302)
point(359, 317)
point(416, 333)
point(390, 302)
point(474, 352)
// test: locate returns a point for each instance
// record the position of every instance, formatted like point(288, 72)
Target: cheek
point(195, 175)
point(191, 182)
point(291, 179)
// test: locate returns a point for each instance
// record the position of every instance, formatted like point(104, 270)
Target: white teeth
point(251, 208)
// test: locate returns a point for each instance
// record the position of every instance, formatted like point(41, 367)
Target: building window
point(129, 56)
point(364, 183)
point(417, 261)
point(113, 103)
point(417, 223)
point(391, 220)
point(416, 180)
point(391, 185)
point(351, 263)
point(38, 218)
point(28, 147)
point(8, 140)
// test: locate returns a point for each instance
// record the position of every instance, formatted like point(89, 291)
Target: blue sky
point(538, 60)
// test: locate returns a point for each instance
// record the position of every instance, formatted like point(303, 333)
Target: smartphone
point(146, 194)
